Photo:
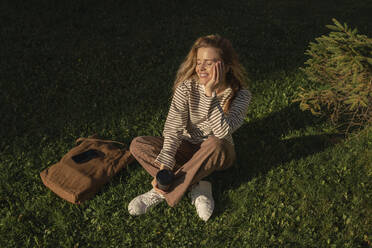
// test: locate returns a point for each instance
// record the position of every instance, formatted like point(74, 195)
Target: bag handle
point(99, 140)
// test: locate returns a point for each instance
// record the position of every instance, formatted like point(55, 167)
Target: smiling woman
point(209, 54)
point(207, 58)
point(209, 103)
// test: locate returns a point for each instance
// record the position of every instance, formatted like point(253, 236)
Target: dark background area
point(76, 60)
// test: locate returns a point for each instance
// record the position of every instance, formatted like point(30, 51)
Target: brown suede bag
point(78, 180)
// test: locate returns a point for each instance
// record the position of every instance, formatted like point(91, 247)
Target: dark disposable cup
point(164, 179)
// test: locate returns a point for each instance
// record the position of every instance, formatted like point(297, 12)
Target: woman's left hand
point(216, 79)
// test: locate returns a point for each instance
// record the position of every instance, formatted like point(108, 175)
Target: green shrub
point(340, 65)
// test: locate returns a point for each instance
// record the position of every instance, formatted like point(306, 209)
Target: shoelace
point(198, 191)
point(194, 194)
point(152, 198)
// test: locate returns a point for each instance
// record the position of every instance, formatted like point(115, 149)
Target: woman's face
point(205, 60)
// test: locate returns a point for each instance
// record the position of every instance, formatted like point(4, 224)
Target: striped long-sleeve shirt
point(194, 116)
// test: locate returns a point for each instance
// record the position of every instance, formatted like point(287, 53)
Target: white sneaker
point(201, 197)
point(142, 203)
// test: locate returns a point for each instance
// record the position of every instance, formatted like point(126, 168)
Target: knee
point(216, 144)
point(225, 151)
point(135, 144)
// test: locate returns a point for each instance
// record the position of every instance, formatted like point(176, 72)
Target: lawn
point(69, 69)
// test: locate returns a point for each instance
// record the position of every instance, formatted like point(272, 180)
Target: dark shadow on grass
point(260, 147)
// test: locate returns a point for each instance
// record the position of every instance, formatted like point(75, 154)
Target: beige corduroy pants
point(193, 161)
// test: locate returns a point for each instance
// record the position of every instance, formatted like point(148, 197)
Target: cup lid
point(164, 177)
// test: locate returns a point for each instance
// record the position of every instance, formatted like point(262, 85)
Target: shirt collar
point(225, 93)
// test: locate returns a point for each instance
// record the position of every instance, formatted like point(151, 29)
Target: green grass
point(69, 70)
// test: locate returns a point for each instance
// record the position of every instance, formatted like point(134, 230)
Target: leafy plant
point(340, 65)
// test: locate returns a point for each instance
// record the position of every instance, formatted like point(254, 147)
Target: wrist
point(164, 167)
point(209, 93)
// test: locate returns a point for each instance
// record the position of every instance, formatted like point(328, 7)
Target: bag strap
point(99, 140)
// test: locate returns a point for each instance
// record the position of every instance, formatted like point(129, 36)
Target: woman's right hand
point(154, 184)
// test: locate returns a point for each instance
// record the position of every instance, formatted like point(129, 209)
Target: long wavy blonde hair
point(236, 76)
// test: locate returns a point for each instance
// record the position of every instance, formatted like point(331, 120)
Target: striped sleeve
point(175, 123)
point(224, 124)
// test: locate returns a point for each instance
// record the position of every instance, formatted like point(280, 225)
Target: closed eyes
point(209, 62)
